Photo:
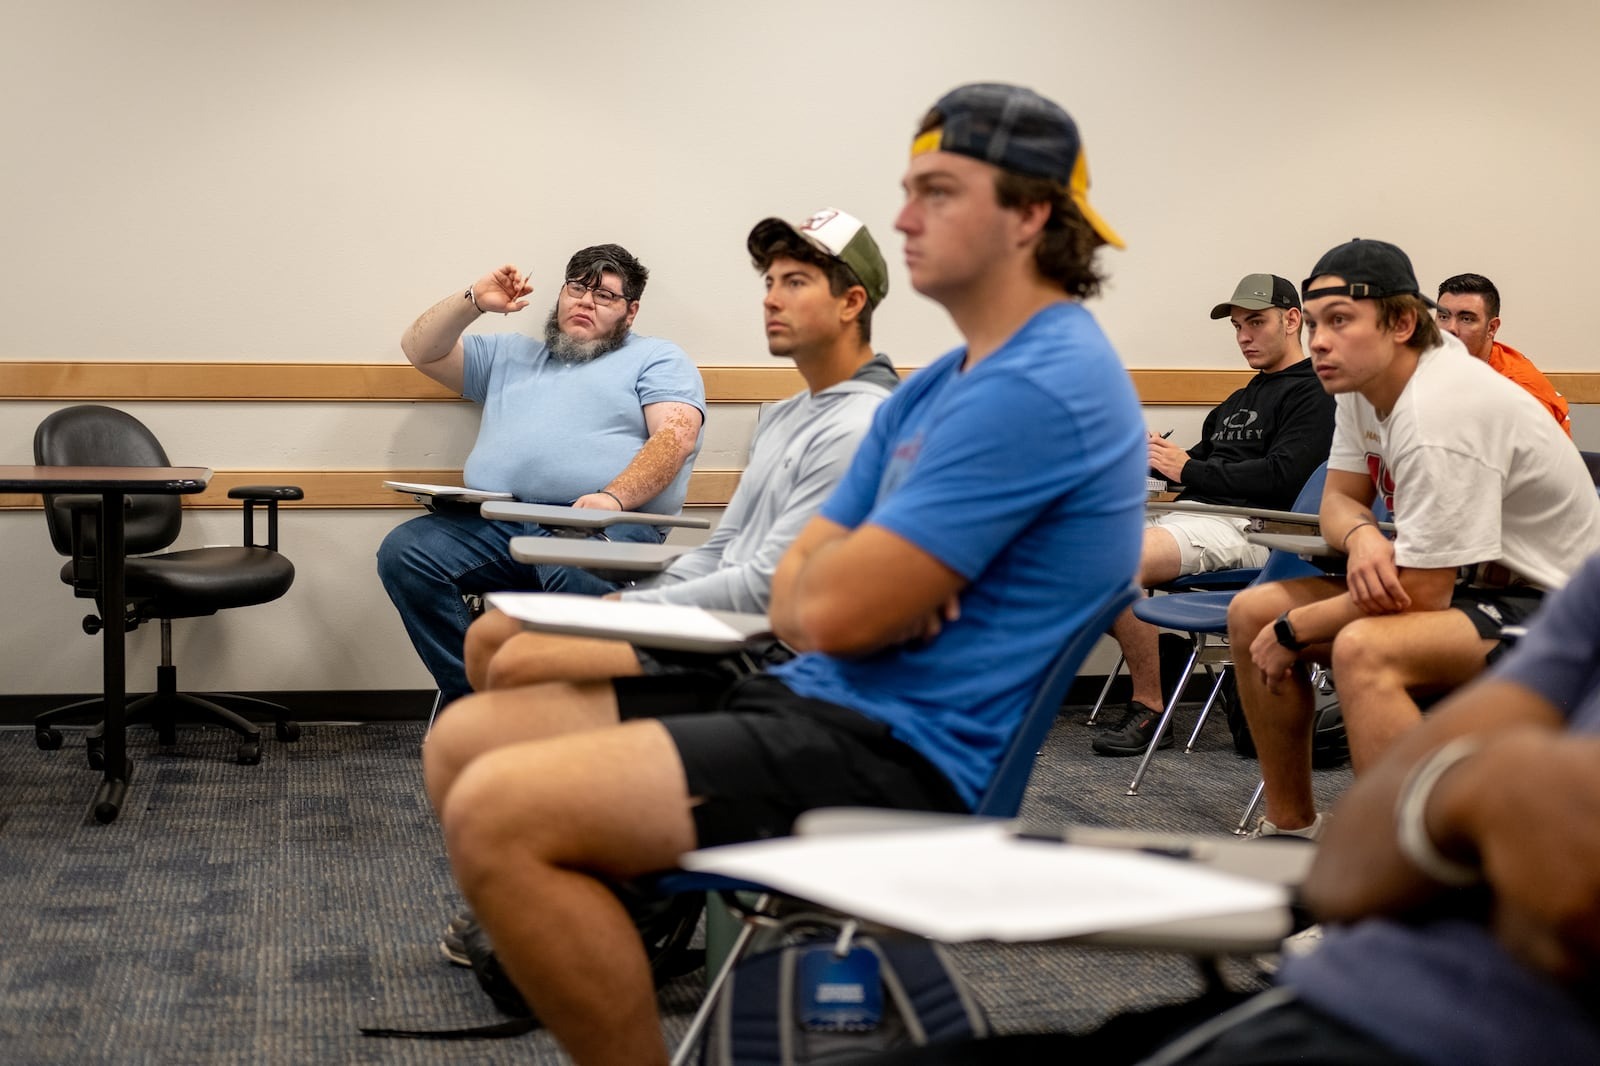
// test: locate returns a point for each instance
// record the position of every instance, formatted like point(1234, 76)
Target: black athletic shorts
point(756, 656)
point(758, 755)
point(1491, 609)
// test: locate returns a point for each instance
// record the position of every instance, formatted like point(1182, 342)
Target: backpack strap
point(932, 995)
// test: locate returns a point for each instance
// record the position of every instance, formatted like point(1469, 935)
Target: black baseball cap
point(1257, 292)
point(1018, 130)
point(1371, 270)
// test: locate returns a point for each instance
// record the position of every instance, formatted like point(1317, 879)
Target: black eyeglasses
point(602, 297)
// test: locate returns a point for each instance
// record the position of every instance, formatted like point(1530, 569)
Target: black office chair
point(180, 584)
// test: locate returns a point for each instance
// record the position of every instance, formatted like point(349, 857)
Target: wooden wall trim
point(363, 489)
point(307, 382)
point(399, 383)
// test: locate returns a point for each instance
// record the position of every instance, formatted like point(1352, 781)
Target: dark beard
point(563, 349)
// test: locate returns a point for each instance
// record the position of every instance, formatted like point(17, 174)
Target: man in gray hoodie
point(823, 280)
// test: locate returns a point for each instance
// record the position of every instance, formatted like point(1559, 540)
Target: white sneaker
point(1294, 946)
point(1265, 828)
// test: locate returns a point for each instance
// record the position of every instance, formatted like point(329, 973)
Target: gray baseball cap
point(1257, 292)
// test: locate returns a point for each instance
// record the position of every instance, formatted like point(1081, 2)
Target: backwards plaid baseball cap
point(1371, 270)
point(1018, 130)
point(836, 234)
point(1257, 292)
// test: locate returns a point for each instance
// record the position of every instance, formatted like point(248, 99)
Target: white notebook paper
point(656, 625)
point(455, 492)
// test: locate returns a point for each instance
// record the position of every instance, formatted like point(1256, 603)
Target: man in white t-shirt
point(1492, 507)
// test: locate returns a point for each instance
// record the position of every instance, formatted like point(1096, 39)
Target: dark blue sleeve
point(1560, 656)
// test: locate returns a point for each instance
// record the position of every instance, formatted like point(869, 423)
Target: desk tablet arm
point(269, 495)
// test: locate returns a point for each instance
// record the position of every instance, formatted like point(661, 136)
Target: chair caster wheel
point(48, 739)
point(249, 754)
point(287, 731)
point(95, 753)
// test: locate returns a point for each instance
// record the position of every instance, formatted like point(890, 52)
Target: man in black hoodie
point(1258, 448)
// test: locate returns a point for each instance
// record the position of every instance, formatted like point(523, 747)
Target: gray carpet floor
point(261, 914)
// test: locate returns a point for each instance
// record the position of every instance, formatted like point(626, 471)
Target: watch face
point(1285, 634)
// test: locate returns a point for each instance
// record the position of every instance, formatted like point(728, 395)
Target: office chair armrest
point(269, 495)
point(85, 520)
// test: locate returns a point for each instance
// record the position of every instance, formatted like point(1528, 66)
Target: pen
point(1167, 434)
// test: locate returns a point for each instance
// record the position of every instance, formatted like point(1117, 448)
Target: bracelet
point(1410, 814)
point(472, 298)
point(605, 492)
point(1344, 545)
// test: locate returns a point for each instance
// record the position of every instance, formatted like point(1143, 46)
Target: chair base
point(166, 709)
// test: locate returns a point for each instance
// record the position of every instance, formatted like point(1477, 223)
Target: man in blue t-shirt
point(594, 416)
point(991, 513)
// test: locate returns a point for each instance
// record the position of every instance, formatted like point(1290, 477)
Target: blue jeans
point(429, 563)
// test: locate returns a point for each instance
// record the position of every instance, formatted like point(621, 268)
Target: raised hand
point(503, 290)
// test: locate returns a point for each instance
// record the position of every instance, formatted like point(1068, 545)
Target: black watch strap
point(1284, 631)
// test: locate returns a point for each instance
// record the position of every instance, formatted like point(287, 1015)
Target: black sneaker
point(1132, 737)
point(453, 943)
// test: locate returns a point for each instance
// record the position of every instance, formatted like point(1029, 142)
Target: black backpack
point(1330, 746)
point(768, 1012)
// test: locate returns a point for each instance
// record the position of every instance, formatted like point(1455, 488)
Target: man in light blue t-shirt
point(595, 415)
point(991, 512)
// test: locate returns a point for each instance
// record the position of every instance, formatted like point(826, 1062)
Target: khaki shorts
point(1207, 543)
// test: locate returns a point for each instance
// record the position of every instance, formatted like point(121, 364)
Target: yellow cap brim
point(1078, 188)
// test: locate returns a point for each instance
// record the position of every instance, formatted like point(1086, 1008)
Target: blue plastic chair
point(1209, 581)
point(1001, 798)
point(1205, 614)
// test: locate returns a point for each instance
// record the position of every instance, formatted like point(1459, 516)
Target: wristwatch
point(1284, 631)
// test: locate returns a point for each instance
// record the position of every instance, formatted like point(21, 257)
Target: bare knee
point(479, 828)
point(1250, 610)
point(453, 742)
point(1362, 653)
point(517, 662)
point(485, 637)
point(1160, 559)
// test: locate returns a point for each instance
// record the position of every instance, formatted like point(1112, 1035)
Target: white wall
point(294, 181)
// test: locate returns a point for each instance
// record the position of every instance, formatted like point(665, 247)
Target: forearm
point(732, 588)
point(784, 603)
point(437, 331)
point(651, 470)
point(1360, 868)
point(1342, 515)
point(1320, 622)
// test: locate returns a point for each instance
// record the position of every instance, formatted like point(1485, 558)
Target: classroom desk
point(1258, 519)
point(583, 521)
point(1305, 545)
point(596, 554)
point(113, 484)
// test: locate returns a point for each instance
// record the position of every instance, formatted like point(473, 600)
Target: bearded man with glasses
point(592, 415)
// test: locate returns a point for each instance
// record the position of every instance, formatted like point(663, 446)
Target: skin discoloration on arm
point(674, 427)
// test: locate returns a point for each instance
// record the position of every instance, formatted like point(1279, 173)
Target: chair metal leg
point(438, 699)
point(1105, 690)
point(1199, 723)
point(697, 1024)
point(1250, 809)
point(1166, 716)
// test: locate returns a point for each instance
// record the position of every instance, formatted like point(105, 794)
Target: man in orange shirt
point(1469, 307)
